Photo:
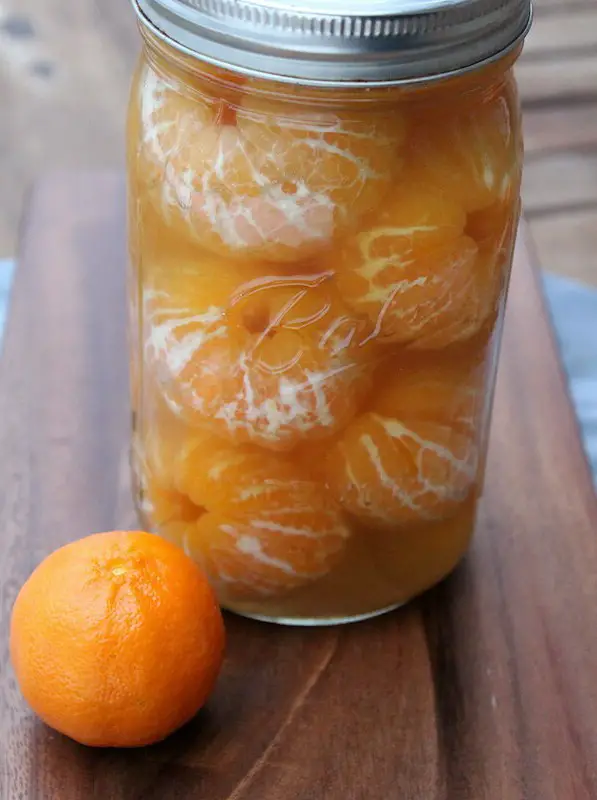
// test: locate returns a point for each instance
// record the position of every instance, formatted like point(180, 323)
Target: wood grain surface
point(484, 689)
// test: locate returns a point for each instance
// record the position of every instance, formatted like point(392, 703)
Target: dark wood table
point(484, 688)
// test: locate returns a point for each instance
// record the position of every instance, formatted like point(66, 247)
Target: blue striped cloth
point(574, 313)
point(6, 269)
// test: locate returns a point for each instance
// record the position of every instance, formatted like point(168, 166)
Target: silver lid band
point(374, 43)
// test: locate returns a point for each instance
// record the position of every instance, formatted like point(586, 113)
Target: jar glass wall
point(317, 285)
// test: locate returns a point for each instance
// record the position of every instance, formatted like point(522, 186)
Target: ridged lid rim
point(289, 42)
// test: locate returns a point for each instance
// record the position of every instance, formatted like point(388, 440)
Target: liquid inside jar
point(316, 292)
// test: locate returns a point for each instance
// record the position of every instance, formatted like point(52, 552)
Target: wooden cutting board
point(486, 687)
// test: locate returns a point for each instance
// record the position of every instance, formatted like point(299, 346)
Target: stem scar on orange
point(116, 639)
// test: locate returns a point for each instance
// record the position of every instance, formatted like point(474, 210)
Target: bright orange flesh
point(257, 182)
point(258, 524)
point(256, 358)
point(413, 455)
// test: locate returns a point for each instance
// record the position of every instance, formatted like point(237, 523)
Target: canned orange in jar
point(323, 202)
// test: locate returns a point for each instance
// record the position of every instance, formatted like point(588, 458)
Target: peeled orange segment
point(396, 473)
point(346, 162)
point(256, 523)
point(267, 528)
point(270, 360)
point(488, 227)
point(160, 443)
point(414, 273)
point(168, 117)
point(414, 455)
point(184, 310)
point(478, 309)
point(161, 502)
point(450, 393)
point(475, 313)
point(204, 178)
point(245, 561)
point(198, 171)
point(471, 151)
point(494, 229)
point(245, 186)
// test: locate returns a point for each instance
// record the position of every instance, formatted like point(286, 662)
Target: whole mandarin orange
point(117, 639)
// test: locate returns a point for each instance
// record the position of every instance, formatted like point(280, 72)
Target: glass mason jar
point(320, 252)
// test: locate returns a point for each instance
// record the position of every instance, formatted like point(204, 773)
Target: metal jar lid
point(341, 42)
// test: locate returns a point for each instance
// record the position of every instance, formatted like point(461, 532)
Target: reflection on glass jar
point(317, 286)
